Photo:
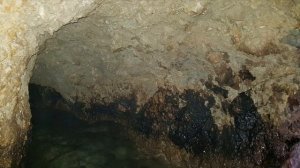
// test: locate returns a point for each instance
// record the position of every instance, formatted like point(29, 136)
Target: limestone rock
point(134, 47)
point(22, 25)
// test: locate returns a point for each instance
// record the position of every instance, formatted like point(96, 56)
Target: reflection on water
point(60, 140)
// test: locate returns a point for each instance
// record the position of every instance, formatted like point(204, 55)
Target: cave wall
point(132, 48)
point(204, 76)
point(24, 26)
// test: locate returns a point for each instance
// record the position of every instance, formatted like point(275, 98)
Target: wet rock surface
point(74, 144)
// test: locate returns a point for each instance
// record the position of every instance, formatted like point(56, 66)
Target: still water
point(59, 140)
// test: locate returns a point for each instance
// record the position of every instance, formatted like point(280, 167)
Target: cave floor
point(59, 140)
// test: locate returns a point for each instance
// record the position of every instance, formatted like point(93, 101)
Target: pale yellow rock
point(22, 23)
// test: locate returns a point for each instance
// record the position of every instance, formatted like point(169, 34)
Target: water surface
point(59, 140)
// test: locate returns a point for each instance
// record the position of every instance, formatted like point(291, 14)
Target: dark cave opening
point(59, 138)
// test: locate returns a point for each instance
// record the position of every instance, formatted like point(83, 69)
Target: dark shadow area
point(60, 140)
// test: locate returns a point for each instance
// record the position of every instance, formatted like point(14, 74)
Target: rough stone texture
point(195, 72)
point(135, 47)
point(25, 25)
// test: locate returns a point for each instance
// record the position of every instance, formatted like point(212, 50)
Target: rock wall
point(219, 73)
point(135, 47)
point(24, 26)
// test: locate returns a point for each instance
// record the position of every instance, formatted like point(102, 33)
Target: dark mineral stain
point(225, 75)
point(245, 74)
point(190, 127)
point(251, 138)
point(194, 128)
point(158, 113)
point(249, 128)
